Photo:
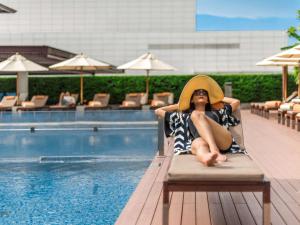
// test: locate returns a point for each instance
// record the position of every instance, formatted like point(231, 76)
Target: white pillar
point(22, 86)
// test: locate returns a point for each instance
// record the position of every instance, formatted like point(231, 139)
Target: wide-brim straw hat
point(215, 92)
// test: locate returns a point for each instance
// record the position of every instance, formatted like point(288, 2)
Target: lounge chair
point(238, 174)
point(7, 103)
point(298, 121)
point(37, 102)
point(162, 99)
point(290, 115)
point(134, 101)
point(66, 102)
point(100, 101)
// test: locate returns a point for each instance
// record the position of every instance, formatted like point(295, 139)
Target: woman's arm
point(235, 103)
point(162, 110)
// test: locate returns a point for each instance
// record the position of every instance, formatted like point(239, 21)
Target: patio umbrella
point(19, 64)
point(146, 62)
point(292, 56)
point(268, 62)
point(80, 63)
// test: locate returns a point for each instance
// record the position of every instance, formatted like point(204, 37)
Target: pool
point(72, 174)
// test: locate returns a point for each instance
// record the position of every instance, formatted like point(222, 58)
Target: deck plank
point(276, 150)
point(202, 210)
point(189, 209)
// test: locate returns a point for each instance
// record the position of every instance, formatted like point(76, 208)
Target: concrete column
point(22, 86)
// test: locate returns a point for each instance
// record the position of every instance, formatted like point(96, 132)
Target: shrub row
point(247, 88)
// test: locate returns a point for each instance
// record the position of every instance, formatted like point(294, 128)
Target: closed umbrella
point(80, 63)
point(18, 64)
point(146, 62)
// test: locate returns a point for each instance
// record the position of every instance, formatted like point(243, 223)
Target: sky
point(249, 9)
point(246, 14)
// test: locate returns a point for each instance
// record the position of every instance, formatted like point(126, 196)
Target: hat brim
point(215, 92)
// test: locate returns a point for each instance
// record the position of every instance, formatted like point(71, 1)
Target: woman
point(198, 127)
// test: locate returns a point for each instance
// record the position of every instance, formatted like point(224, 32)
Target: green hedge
point(247, 88)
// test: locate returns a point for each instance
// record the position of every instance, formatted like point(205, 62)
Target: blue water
point(80, 193)
point(72, 176)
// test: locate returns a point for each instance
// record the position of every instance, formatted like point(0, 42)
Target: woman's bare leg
point(213, 133)
point(200, 148)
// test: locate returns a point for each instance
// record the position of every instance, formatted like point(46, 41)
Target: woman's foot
point(221, 158)
point(209, 159)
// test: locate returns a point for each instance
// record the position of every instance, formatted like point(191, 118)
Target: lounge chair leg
point(166, 205)
point(293, 124)
point(267, 204)
point(288, 122)
point(267, 114)
point(279, 118)
point(283, 120)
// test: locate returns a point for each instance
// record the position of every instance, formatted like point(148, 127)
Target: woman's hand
point(162, 110)
point(235, 103)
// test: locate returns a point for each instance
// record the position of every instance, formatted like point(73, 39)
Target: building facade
point(118, 31)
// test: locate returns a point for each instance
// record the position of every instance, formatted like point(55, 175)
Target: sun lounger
point(134, 101)
point(290, 115)
point(37, 102)
point(239, 174)
point(162, 99)
point(100, 101)
point(66, 102)
point(298, 121)
point(7, 103)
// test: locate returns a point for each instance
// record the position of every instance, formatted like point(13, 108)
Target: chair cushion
point(129, 103)
point(28, 104)
point(95, 103)
point(286, 106)
point(296, 100)
point(238, 167)
point(157, 103)
point(272, 104)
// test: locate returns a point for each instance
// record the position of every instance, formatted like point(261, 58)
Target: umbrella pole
point(147, 82)
point(284, 82)
point(299, 82)
point(17, 88)
point(81, 88)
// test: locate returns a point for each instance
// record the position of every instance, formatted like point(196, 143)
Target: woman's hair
point(192, 105)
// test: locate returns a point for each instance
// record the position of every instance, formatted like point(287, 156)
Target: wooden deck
point(275, 148)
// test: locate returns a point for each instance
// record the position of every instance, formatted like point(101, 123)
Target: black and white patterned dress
point(179, 125)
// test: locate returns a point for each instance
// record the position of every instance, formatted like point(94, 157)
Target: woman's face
point(200, 96)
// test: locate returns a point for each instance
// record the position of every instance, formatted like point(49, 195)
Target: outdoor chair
point(37, 102)
point(238, 174)
point(66, 102)
point(162, 99)
point(134, 101)
point(298, 121)
point(290, 115)
point(100, 101)
point(7, 103)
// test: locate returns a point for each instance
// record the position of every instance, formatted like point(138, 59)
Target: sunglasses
point(200, 92)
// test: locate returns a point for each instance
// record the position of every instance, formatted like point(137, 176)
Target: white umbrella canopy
point(80, 63)
point(271, 61)
point(292, 56)
point(146, 62)
point(18, 64)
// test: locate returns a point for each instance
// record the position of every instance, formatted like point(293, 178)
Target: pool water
point(71, 176)
point(81, 193)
